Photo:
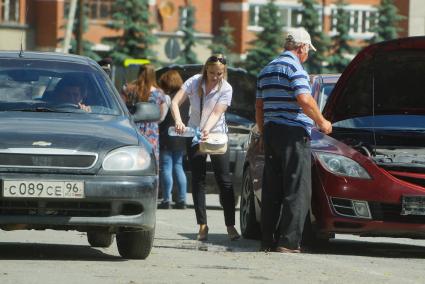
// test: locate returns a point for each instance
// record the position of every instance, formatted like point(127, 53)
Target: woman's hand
point(180, 127)
point(204, 135)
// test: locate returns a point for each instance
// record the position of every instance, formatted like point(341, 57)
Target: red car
point(369, 173)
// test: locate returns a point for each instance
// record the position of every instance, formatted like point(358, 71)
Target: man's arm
point(310, 108)
point(259, 115)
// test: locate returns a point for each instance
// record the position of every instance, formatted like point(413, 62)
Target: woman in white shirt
point(210, 95)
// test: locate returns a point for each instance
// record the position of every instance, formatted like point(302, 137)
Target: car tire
point(250, 228)
point(311, 238)
point(100, 239)
point(135, 244)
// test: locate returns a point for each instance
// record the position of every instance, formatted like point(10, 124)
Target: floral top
point(150, 129)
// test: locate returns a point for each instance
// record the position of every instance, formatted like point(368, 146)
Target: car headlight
point(130, 158)
point(342, 165)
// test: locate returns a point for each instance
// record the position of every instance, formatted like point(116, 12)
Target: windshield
point(43, 85)
point(385, 122)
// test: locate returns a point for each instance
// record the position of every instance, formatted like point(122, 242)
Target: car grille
point(46, 158)
point(55, 208)
point(392, 213)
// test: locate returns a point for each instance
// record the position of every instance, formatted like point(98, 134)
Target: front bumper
point(115, 202)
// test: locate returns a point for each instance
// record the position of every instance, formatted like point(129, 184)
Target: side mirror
point(146, 112)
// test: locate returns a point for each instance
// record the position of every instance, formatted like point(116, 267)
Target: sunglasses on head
point(213, 58)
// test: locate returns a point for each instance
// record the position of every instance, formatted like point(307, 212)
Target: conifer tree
point(132, 18)
point(342, 51)
point(269, 42)
point(311, 22)
point(386, 27)
point(188, 56)
point(224, 42)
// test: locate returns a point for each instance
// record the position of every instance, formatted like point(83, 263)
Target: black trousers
point(286, 192)
point(220, 164)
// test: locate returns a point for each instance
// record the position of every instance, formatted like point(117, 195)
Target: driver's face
point(71, 94)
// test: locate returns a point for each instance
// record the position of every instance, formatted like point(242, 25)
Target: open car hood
point(383, 79)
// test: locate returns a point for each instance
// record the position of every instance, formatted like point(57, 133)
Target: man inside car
point(70, 91)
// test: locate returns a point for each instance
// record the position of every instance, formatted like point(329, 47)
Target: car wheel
point(311, 237)
point(100, 239)
point(135, 244)
point(250, 228)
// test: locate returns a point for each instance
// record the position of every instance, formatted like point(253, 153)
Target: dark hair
point(70, 81)
point(170, 82)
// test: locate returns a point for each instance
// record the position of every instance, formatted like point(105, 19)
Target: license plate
point(43, 189)
point(413, 205)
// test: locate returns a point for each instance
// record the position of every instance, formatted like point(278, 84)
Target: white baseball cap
point(299, 35)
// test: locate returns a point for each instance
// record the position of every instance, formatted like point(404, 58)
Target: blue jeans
point(172, 161)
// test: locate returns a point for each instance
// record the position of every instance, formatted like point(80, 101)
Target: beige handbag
point(216, 144)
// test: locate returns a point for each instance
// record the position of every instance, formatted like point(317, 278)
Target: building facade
point(41, 24)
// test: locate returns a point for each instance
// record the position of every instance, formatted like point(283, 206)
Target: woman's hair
point(215, 59)
point(146, 78)
point(170, 82)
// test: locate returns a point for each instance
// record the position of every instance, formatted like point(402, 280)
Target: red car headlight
point(341, 165)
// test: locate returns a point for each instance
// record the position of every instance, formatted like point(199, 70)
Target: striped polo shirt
point(278, 84)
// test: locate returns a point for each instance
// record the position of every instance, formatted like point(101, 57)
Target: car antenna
point(21, 51)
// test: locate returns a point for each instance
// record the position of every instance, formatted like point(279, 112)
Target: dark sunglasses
point(215, 59)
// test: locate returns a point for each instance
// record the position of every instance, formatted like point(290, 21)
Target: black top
point(172, 143)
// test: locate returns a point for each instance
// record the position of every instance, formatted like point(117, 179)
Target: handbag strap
point(201, 105)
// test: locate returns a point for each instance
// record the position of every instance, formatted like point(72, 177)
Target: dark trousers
point(286, 192)
point(220, 164)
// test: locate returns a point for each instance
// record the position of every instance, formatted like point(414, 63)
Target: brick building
point(43, 25)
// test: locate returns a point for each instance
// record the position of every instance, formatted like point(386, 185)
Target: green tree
point(86, 45)
point(311, 22)
point(132, 18)
point(224, 42)
point(269, 41)
point(386, 25)
point(342, 50)
point(187, 54)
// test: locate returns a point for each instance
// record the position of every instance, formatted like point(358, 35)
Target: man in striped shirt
point(285, 112)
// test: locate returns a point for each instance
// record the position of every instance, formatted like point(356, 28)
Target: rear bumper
point(109, 201)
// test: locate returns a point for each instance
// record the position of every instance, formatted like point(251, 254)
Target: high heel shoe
point(203, 233)
point(232, 233)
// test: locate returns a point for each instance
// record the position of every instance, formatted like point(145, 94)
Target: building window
point(100, 9)
point(183, 11)
point(97, 9)
point(362, 21)
point(291, 15)
point(9, 11)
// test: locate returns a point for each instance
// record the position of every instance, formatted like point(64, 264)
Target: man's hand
point(325, 126)
point(84, 107)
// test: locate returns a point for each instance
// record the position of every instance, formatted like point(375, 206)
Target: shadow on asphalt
point(215, 242)
point(372, 249)
point(220, 242)
point(35, 251)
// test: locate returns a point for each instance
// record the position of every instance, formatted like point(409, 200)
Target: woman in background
point(145, 89)
point(172, 148)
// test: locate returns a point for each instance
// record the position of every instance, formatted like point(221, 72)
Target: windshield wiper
point(34, 109)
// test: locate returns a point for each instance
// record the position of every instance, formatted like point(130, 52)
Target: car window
point(34, 84)
point(325, 91)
